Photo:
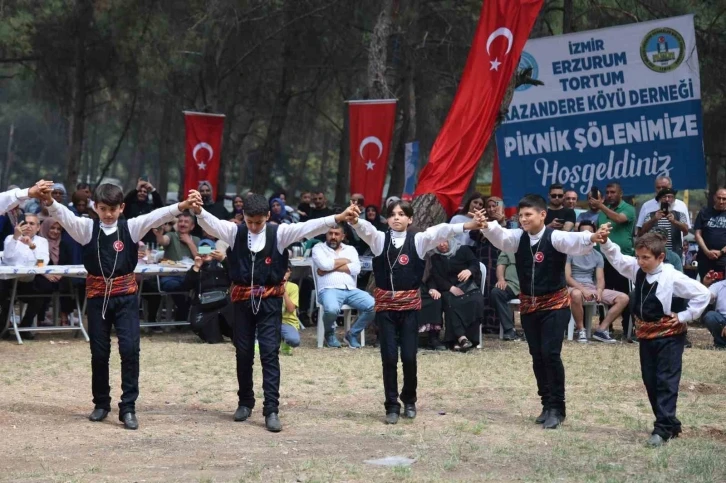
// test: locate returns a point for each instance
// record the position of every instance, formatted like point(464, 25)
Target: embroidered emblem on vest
point(403, 259)
point(118, 246)
point(268, 261)
point(538, 257)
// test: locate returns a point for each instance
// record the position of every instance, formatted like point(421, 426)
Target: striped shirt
point(324, 258)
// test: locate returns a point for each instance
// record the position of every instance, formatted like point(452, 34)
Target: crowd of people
point(463, 274)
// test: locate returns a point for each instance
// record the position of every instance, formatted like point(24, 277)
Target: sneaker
point(603, 336)
point(582, 336)
point(332, 341)
point(285, 348)
point(688, 343)
point(511, 336)
point(352, 340)
point(257, 347)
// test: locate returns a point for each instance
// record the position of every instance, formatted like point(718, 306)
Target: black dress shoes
point(391, 418)
point(542, 417)
point(554, 419)
point(242, 413)
point(272, 423)
point(409, 411)
point(98, 414)
point(130, 421)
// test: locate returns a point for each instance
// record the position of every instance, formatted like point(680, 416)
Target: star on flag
point(370, 165)
point(202, 166)
point(495, 64)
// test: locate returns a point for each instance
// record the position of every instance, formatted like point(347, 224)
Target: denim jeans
point(332, 299)
point(715, 323)
point(290, 335)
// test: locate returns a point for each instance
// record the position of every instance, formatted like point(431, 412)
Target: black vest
point(652, 308)
point(548, 275)
point(270, 265)
point(106, 247)
point(408, 267)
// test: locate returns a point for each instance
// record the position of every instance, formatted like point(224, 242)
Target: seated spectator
point(278, 213)
point(506, 289)
point(211, 314)
point(431, 315)
point(85, 188)
point(715, 320)
point(667, 218)
point(137, 203)
point(373, 216)
point(178, 245)
point(455, 278)
point(474, 202)
point(290, 329)
point(337, 266)
point(213, 207)
point(60, 252)
point(79, 205)
point(303, 209)
point(58, 192)
point(24, 248)
point(238, 210)
point(585, 276)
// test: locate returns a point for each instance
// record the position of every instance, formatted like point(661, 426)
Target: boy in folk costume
point(110, 253)
point(541, 254)
point(661, 332)
point(398, 267)
point(258, 260)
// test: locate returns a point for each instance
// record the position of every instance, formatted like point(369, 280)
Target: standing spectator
point(136, 203)
point(373, 216)
point(278, 213)
point(474, 202)
point(652, 205)
point(559, 217)
point(621, 217)
point(59, 192)
point(358, 199)
point(79, 203)
point(84, 188)
point(590, 215)
point(715, 320)
point(303, 209)
point(711, 236)
point(506, 289)
point(320, 207)
point(570, 199)
point(671, 222)
point(238, 210)
point(586, 281)
point(215, 208)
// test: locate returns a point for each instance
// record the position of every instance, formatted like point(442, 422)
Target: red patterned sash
point(243, 292)
point(123, 285)
point(551, 301)
point(397, 301)
point(661, 328)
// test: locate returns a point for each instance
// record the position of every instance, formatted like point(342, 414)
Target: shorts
point(608, 296)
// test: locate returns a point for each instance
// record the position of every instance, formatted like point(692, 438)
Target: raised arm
point(80, 229)
point(140, 226)
point(370, 234)
point(626, 265)
point(287, 234)
point(222, 229)
point(579, 243)
point(698, 296)
point(11, 199)
point(434, 235)
point(503, 238)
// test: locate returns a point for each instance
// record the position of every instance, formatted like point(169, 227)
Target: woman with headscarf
point(430, 317)
point(488, 254)
point(455, 278)
point(215, 208)
point(61, 253)
point(238, 210)
point(474, 202)
point(373, 215)
point(278, 214)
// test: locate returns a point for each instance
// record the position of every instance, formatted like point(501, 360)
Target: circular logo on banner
point(663, 50)
point(403, 259)
point(538, 257)
point(268, 261)
point(118, 245)
point(527, 61)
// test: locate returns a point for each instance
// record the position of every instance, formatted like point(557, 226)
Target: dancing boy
point(661, 333)
point(398, 267)
point(541, 254)
point(110, 252)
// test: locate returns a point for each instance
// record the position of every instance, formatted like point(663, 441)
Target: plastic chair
point(346, 309)
point(483, 269)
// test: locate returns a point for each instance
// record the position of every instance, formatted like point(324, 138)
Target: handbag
point(212, 300)
point(468, 286)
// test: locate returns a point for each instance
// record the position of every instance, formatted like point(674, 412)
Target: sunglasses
point(557, 196)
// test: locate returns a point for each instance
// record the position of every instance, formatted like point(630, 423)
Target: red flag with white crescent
point(203, 149)
point(503, 28)
point(371, 132)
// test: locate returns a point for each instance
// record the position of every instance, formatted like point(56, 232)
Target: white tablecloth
point(77, 271)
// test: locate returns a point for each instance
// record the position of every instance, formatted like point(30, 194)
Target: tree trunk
point(343, 184)
point(378, 54)
point(162, 183)
point(5, 179)
point(408, 134)
point(324, 163)
point(567, 16)
point(83, 18)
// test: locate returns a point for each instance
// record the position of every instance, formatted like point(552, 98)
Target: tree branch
point(120, 140)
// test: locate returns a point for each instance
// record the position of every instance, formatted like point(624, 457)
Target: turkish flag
point(203, 149)
point(503, 28)
point(371, 132)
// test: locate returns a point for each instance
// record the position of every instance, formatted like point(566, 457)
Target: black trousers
point(615, 281)
point(123, 314)
point(267, 323)
point(398, 328)
point(500, 301)
point(545, 332)
point(661, 361)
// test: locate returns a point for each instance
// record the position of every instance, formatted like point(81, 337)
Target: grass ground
point(474, 421)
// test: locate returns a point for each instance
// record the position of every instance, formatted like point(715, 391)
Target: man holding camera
point(673, 223)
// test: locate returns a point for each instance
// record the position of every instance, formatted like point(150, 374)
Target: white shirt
point(571, 243)
point(718, 294)
point(287, 234)
point(425, 241)
point(81, 229)
point(671, 283)
point(19, 254)
point(324, 258)
point(651, 205)
point(11, 199)
point(464, 238)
